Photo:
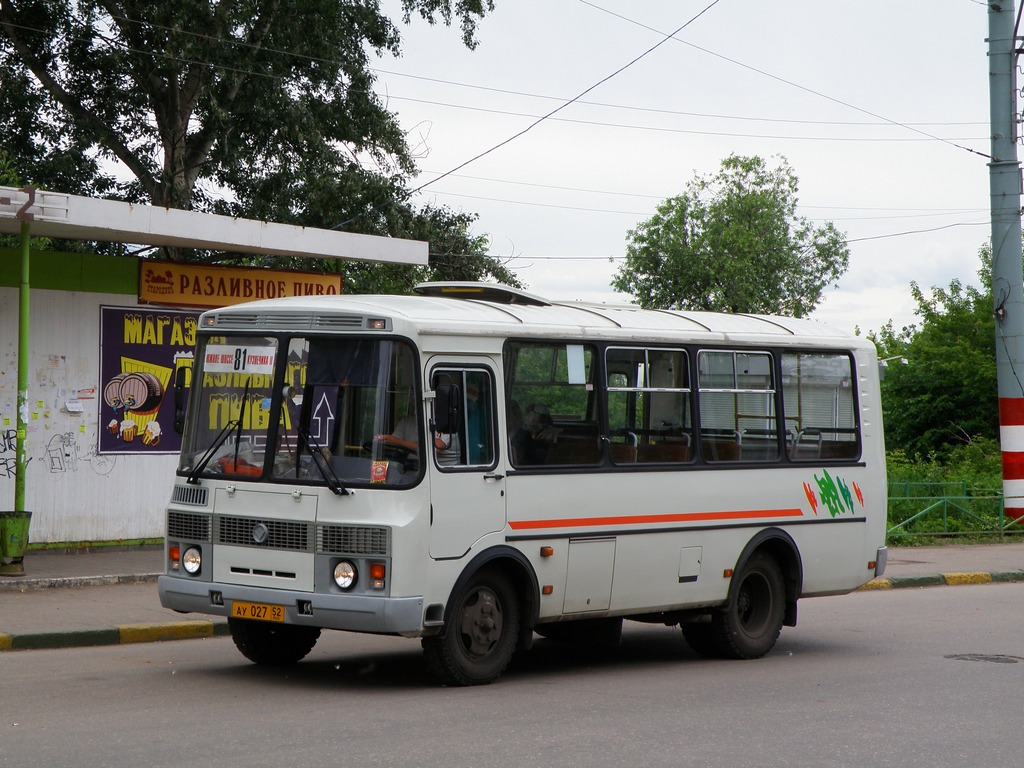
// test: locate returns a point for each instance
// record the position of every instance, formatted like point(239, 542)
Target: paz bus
point(475, 465)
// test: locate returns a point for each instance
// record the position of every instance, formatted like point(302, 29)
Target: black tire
point(749, 625)
point(481, 634)
point(272, 644)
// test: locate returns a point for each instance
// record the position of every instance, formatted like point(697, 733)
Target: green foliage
point(455, 253)
point(956, 494)
point(257, 110)
point(8, 176)
point(946, 394)
point(733, 243)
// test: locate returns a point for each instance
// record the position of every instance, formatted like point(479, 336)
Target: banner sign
point(222, 358)
point(141, 348)
point(201, 285)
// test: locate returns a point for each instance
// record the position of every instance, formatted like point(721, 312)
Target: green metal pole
point(22, 424)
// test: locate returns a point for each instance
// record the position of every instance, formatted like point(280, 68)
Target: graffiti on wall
point(8, 458)
point(62, 454)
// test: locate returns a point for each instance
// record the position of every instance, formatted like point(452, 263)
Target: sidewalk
point(110, 597)
point(97, 598)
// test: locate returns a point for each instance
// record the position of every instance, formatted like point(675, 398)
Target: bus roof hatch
point(492, 292)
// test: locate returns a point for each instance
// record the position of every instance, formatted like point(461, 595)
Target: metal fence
point(947, 509)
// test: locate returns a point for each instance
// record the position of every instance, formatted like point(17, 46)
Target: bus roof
point(487, 309)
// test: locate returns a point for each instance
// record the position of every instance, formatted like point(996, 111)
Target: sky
point(880, 107)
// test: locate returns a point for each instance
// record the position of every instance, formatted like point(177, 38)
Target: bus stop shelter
point(32, 212)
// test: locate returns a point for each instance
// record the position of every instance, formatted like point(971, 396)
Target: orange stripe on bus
point(684, 517)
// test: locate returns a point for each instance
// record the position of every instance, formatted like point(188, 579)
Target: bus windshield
point(323, 411)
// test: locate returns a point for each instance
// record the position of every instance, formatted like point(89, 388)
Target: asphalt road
point(917, 677)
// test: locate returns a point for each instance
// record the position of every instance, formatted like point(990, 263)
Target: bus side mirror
point(179, 399)
point(447, 409)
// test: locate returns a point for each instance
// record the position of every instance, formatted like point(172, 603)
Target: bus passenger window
point(649, 407)
point(553, 382)
point(736, 396)
point(821, 411)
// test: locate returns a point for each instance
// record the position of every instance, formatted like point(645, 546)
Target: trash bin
point(13, 541)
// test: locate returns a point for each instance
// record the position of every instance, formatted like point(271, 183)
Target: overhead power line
point(788, 82)
point(580, 95)
point(689, 131)
point(651, 110)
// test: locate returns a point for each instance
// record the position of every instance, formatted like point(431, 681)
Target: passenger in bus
point(447, 449)
point(530, 443)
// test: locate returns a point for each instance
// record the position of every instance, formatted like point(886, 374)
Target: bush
point(958, 494)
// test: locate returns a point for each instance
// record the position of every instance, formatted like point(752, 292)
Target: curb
point(26, 585)
point(119, 635)
point(944, 580)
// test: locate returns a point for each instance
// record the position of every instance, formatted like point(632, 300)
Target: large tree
point(733, 242)
point(939, 390)
point(256, 109)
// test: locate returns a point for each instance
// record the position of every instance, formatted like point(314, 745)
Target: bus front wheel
point(480, 637)
point(749, 625)
point(272, 644)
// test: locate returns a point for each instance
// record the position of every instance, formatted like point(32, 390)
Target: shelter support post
point(14, 525)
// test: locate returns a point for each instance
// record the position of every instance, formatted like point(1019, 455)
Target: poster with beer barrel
point(141, 348)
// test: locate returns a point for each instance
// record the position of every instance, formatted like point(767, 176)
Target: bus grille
point(280, 534)
point(351, 540)
point(183, 525)
point(338, 322)
point(288, 321)
point(190, 494)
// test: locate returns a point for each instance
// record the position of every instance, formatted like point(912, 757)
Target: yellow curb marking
point(878, 584)
point(181, 630)
point(5, 642)
point(954, 579)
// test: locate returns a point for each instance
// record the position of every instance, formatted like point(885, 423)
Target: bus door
point(467, 485)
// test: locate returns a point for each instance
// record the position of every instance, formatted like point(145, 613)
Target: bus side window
point(472, 441)
point(551, 384)
point(821, 408)
point(736, 396)
point(649, 411)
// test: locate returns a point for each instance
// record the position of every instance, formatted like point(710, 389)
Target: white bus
point(475, 465)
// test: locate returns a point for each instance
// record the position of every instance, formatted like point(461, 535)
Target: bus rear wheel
point(272, 644)
point(749, 625)
point(481, 634)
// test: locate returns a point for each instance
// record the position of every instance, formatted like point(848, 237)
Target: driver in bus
point(405, 439)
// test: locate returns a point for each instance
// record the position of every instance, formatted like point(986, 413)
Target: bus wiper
point(222, 436)
point(316, 452)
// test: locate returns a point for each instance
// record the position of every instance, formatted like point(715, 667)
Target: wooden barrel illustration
point(112, 392)
point(141, 392)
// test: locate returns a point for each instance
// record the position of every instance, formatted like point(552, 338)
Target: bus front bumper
point(354, 613)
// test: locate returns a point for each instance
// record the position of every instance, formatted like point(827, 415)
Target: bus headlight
point(345, 574)
point(192, 560)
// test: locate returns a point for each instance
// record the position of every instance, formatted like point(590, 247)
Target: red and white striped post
point(1007, 277)
point(1011, 439)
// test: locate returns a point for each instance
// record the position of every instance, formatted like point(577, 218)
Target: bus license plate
point(257, 611)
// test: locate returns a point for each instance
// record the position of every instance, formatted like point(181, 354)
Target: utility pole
point(1007, 270)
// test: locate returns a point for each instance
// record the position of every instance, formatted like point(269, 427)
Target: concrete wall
point(74, 493)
